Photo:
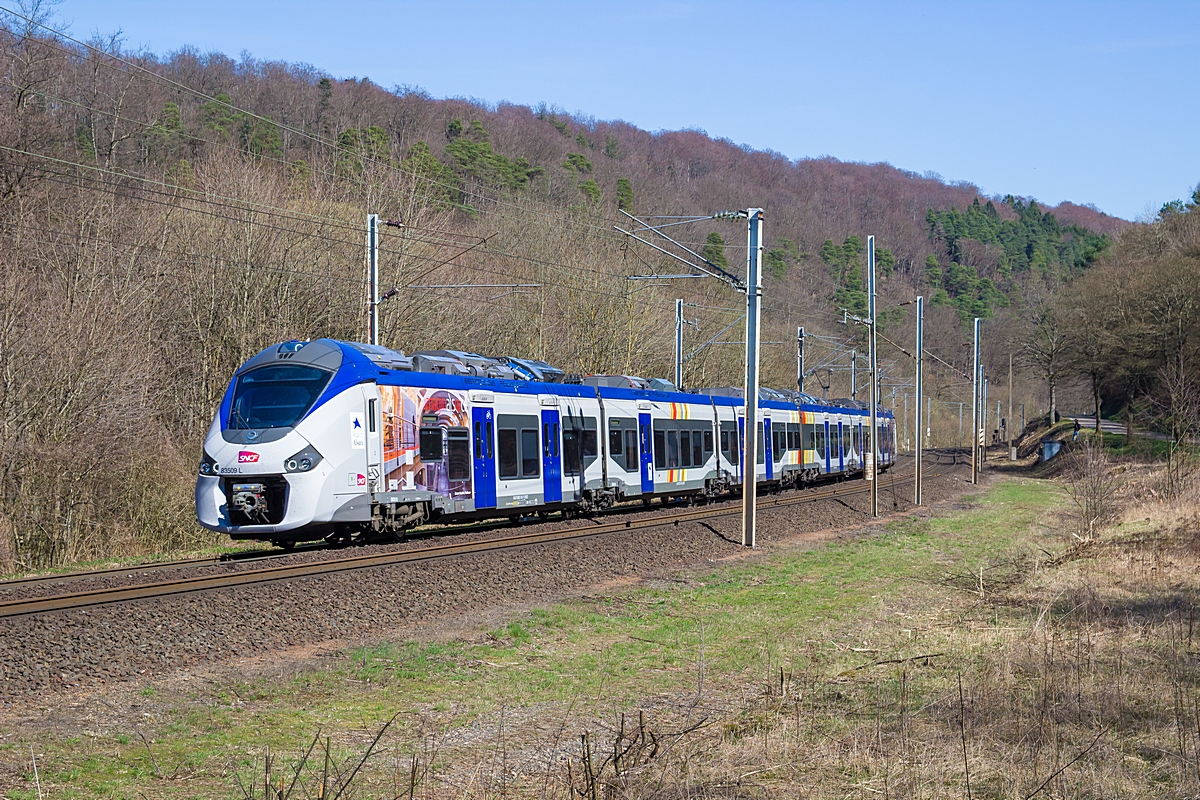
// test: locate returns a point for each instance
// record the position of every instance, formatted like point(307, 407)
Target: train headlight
point(303, 461)
point(208, 465)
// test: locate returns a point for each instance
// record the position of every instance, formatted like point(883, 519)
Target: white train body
point(327, 438)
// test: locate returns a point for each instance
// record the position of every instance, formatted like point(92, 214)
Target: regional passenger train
point(342, 440)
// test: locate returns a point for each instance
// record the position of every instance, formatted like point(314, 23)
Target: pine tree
point(714, 250)
point(624, 195)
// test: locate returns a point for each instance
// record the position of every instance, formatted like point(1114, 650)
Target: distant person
point(1075, 435)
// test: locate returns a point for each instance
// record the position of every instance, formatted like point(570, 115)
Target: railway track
point(270, 574)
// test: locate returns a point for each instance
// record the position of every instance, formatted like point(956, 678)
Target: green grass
point(725, 626)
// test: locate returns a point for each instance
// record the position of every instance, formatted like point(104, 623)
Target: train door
point(841, 439)
point(647, 454)
point(767, 448)
point(551, 457)
point(828, 461)
point(483, 428)
point(742, 450)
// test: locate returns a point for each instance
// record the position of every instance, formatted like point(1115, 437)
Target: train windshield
point(276, 396)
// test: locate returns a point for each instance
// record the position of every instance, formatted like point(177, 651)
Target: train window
point(819, 441)
point(275, 396)
point(794, 442)
point(698, 457)
point(530, 463)
point(672, 449)
point(371, 415)
point(458, 454)
point(478, 439)
point(572, 463)
point(616, 443)
point(431, 444)
point(488, 440)
point(708, 445)
point(810, 437)
point(762, 445)
point(631, 451)
point(547, 434)
point(685, 448)
point(509, 462)
point(729, 442)
point(590, 449)
point(518, 445)
point(660, 449)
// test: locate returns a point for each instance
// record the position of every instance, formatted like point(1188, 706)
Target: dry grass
point(1003, 658)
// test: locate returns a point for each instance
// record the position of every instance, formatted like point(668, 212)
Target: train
point(345, 441)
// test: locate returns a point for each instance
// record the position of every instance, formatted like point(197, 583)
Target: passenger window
point(672, 449)
point(478, 439)
point(572, 463)
point(660, 450)
point(508, 453)
point(371, 416)
point(698, 458)
point(762, 445)
point(589, 443)
point(530, 464)
point(708, 444)
point(616, 443)
point(458, 454)
point(631, 451)
point(488, 440)
point(431, 444)
point(685, 448)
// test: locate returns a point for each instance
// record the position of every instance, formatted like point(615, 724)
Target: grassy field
point(975, 653)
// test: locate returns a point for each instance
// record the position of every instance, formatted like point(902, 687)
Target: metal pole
point(983, 414)
point(929, 422)
point(919, 382)
point(874, 379)
point(975, 409)
point(754, 218)
point(800, 358)
point(373, 274)
point(906, 445)
point(1012, 450)
point(853, 374)
point(679, 343)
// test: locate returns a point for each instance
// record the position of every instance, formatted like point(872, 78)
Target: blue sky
point(1092, 102)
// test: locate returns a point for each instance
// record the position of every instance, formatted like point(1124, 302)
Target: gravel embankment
point(50, 652)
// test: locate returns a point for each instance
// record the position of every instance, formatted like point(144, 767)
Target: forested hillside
point(165, 218)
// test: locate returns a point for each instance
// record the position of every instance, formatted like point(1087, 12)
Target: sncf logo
point(247, 457)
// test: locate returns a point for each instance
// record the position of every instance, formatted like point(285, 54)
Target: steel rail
point(236, 557)
point(108, 596)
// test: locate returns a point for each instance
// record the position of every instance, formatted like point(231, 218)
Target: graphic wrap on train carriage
point(436, 421)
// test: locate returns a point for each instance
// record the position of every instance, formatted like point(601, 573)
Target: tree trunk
point(1053, 403)
point(1096, 397)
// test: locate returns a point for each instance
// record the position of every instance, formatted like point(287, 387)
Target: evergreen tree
point(435, 181)
point(714, 250)
point(624, 195)
point(578, 162)
point(612, 149)
point(779, 258)
point(591, 190)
